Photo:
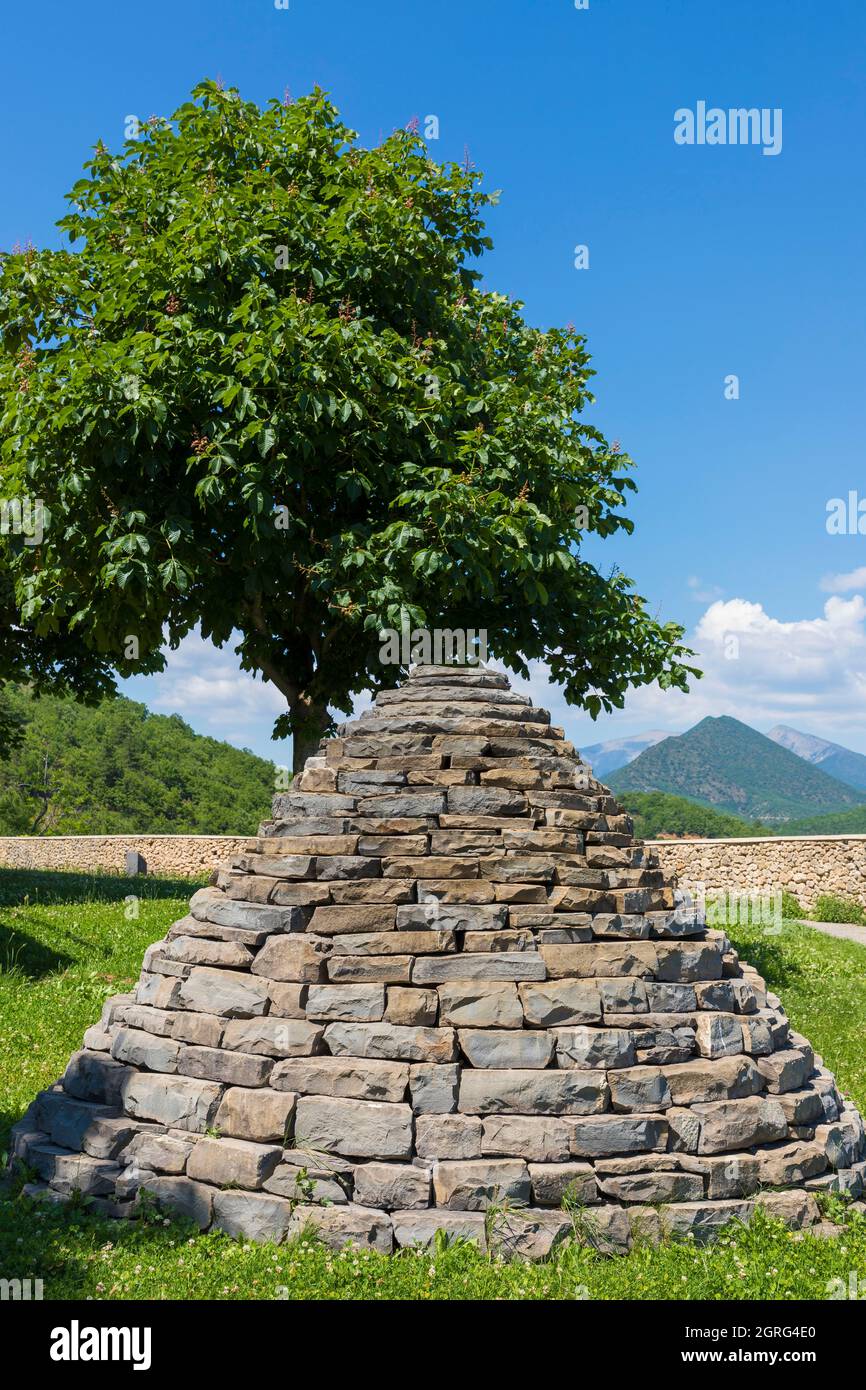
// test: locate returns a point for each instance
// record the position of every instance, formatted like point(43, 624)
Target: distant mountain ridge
point(832, 758)
point(605, 758)
point(724, 763)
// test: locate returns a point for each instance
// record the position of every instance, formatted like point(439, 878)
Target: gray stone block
point(533, 1092)
point(346, 1002)
point(181, 1197)
point(274, 1036)
point(344, 1077)
point(392, 1186)
point(260, 1114)
point(506, 1047)
point(339, 1226)
point(420, 1227)
point(299, 959)
point(232, 1161)
point(480, 1005)
point(176, 1101)
point(391, 1042)
point(256, 1216)
point(227, 993)
point(354, 1128)
point(506, 965)
point(434, 1088)
point(448, 1136)
point(476, 1184)
point(230, 1068)
point(555, 1183)
point(594, 1047)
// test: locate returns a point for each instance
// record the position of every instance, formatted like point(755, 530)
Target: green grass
point(821, 982)
point(65, 944)
point(78, 1256)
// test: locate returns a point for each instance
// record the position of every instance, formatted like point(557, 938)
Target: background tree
point(265, 393)
point(51, 662)
point(118, 769)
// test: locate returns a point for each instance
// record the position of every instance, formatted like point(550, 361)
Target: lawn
point(67, 941)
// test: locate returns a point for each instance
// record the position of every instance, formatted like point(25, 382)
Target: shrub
point(829, 907)
point(791, 905)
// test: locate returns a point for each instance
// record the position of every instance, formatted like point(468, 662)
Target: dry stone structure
point(445, 989)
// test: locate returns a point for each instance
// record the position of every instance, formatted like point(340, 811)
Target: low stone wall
point(173, 855)
point(804, 865)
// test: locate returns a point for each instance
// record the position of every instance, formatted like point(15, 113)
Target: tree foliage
point(50, 661)
point(658, 813)
point(117, 769)
point(264, 392)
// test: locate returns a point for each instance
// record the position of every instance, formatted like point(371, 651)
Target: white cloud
point(844, 583)
point(809, 672)
point(205, 686)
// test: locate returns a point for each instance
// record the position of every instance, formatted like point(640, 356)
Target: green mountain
point(117, 769)
point(658, 813)
point(724, 764)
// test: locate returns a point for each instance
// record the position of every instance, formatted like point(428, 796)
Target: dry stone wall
point(804, 865)
point(173, 855)
point(807, 867)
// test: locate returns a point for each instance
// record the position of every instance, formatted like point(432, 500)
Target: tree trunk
point(305, 743)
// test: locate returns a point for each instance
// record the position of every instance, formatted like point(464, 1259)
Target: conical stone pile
point(445, 989)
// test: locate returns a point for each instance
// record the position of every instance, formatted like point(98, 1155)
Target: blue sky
point(705, 261)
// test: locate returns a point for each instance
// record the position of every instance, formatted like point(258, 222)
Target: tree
point(265, 393)
point(115, 768)
point(51, 662)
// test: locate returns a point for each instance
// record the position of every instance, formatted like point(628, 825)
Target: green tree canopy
point(264, 392)
point(116, 769)
point(658, 813)
point(53, 661)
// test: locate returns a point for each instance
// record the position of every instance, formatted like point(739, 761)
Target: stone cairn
point(445, 989)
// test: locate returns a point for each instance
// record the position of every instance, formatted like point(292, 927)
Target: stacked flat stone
point(445, 989)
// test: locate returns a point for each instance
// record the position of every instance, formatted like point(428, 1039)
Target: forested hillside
point(116, 768)
point(657, 813)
